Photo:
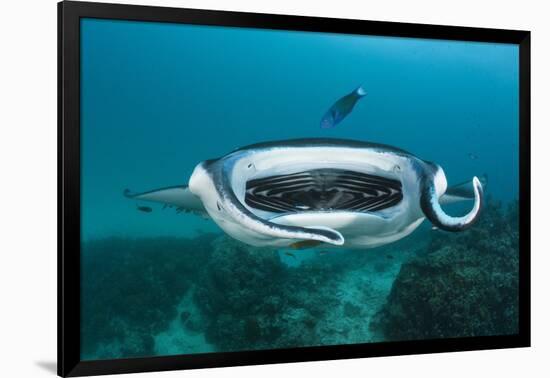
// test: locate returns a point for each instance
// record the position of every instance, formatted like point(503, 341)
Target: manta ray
point(306, 192)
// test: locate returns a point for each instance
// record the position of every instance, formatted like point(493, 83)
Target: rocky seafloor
point(163, 296)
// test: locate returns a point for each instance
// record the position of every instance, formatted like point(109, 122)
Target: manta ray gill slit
point(325, 189)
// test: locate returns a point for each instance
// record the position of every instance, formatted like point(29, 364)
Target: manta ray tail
point(431, 207)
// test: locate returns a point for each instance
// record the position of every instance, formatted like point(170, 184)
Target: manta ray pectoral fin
point(463, 191)
point(177, 196)
point(432, 208)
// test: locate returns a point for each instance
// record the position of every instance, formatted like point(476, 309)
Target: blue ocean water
point(158, 98)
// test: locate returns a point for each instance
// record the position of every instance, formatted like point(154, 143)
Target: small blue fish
point(341, 108)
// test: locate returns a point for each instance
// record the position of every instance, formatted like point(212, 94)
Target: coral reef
point(466, 284)
point(130, 289)
point(160, 296)
point(254, 301)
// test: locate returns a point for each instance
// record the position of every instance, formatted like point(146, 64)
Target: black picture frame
point(69, 15)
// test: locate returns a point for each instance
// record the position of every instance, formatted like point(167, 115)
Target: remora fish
point(341, 108)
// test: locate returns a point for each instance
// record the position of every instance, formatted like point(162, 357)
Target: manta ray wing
point(177, 196)
point(461, 192)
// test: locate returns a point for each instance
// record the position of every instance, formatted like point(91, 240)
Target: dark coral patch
point(464, 285)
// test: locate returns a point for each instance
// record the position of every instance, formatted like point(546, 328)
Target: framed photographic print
point(240, 188)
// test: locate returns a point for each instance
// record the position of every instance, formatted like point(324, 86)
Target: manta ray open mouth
point(323, 190)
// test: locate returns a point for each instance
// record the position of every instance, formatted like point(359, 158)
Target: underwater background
point(158, 98)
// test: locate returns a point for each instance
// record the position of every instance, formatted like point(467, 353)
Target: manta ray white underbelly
point(310, 191)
